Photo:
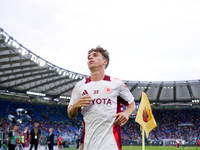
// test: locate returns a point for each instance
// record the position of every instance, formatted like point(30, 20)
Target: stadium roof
point(23, 72)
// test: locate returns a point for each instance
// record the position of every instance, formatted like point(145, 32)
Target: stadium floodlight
point(24, 52)
point(56, 99)
point(76, 77)
point(70, 75)
point(15, 44)
point(60, 72)
point(63, 97)
point(73, 76)
point(42, 63)
point(33, 57)
point(35, 93)
point(6, 37)
point(9, 42)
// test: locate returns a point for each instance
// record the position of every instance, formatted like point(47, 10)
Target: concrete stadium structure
point(24, 73)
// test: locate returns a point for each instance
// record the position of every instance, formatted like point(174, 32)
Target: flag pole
point(143, 139)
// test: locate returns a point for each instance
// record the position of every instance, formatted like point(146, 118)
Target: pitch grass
point(146, 148)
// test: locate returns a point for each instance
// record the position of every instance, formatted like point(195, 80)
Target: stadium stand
point(29, 81)
point(52, 116)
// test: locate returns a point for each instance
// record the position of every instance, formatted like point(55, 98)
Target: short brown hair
point(104, 53)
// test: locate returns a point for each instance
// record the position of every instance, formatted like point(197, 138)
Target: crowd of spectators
point(168, 126)
point(167, 120)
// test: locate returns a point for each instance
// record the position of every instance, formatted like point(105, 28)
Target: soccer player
point(177, 143)
point(198, 143)
point(198, 137)
point(160, 144)
point(183, 144)
point(99, 98)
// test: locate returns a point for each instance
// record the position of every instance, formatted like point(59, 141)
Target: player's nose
point(90, 57)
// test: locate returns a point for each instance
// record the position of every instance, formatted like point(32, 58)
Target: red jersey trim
point(123, 101)
point(122, 82)
point(115, 132)
point(106, 78)
point(83, 134)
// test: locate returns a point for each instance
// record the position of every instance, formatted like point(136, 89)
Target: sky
point(148, 40)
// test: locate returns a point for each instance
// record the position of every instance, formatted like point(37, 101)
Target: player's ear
point(105, 62)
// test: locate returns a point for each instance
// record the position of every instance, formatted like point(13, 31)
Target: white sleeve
point(124, 92)
point(75, 95)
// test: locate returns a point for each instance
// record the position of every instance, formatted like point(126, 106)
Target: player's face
point(96, 60)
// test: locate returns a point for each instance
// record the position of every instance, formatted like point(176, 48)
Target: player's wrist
point(75, 107)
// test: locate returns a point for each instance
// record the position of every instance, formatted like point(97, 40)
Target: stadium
point(30, 82)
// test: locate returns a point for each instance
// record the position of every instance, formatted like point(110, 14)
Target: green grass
point(146, 148)
point(155, 148)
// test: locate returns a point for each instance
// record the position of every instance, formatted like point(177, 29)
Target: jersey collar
point(106, 78)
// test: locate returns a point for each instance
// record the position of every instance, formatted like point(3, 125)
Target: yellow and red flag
point(144, 116)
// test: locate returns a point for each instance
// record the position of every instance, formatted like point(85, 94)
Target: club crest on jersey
point(146, 115)
point(108, 90)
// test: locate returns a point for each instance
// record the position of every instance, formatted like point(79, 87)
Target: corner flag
point(144, 116)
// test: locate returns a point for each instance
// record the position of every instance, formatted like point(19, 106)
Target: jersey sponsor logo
point(108, 90)
point(84, 93)
point(146, 115)
point(102, 101)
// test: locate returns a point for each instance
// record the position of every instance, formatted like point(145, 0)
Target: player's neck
point(97, 75)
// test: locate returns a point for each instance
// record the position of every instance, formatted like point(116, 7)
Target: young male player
point(177, 143)
point(183, 144)
point(198, 143)
point(99, 98)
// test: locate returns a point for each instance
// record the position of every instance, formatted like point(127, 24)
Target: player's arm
point(83, 101)
point(123, 117)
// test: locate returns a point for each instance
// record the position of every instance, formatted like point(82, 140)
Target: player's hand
point(83, 101)
point(121, 118)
